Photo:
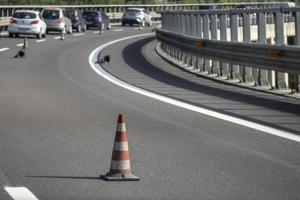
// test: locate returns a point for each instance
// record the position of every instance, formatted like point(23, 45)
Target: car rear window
point(92, 14)
point(51, 14)
point(24, 15)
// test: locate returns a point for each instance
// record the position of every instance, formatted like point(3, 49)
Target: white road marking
point(78, 34)
point(96, 32)
point(39, 41)
point(4, 34)
point(98, 69)
point(19, 45)
point(4, 49)
point(117, 30)
point(56, 38)
point(20, 193)
point(136, 28)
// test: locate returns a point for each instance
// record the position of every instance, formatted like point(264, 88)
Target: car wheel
point(17, 35)
point(47, 32)
point(44, 35)
point(10, 35)
point(130, 24)
point(78, 28)
point(123, 23)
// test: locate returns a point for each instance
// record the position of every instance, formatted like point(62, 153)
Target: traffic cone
point(25, 43)
point(120, 162)
point(62, 35)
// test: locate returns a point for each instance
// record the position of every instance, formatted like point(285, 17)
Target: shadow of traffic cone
point(120, 162)
point(62, 35)
point(25, 43)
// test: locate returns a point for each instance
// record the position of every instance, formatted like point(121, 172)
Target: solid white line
point(19, 45)
point(20, 193)
point(38, 41)
point(4, 49)
point(98, 69)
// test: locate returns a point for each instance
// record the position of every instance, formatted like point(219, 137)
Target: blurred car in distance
point(78, 22)
point(27, 22)
point(136, 16)
point(96, 19)
point(56, 20)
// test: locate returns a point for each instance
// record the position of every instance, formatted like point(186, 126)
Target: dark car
point(78, 22)
point(96, 19)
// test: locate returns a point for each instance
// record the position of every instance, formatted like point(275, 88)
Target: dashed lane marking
point(102, 72)
point(118, 30)
point(56, 38)
point(20, 193)
point(19, 45)
point(78, 34)
point(39, 41)
point(4, 49)
point(96, 32)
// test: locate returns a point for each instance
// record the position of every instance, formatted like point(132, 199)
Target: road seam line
point(102, 72)
point(20, 193)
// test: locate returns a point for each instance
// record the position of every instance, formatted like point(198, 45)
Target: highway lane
point(58, 120)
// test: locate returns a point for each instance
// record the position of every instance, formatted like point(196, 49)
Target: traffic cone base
point(111, 176)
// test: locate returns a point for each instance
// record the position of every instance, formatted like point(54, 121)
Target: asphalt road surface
point(58, 120)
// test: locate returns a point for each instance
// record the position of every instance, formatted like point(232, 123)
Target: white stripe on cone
point(121, 127)
point(120, 165)
point(121, 146)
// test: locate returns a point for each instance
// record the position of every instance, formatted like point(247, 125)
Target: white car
point(136, 16)
point(27, 22)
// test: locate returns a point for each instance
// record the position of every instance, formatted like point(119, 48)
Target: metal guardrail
point(272, 57)
point(209, 37)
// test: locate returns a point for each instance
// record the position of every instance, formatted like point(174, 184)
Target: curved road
point(58, 118)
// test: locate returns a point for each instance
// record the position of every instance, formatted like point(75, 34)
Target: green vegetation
point(87, 2)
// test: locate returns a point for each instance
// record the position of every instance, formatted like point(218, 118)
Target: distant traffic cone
point(120, 162)
point(25, 43)
point(62, 35)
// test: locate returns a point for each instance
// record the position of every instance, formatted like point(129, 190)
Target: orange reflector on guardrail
point(199, 44)
point(159, 34)
point(273, 53)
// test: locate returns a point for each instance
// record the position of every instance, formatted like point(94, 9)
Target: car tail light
point(61, 20)
point(35, 22)
point(13, 21)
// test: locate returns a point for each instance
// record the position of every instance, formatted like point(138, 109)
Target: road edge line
point(102, 72)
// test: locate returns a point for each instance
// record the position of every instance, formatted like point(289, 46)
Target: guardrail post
point(183, 24)
point(234, 71)
point(187, 24)
point(297, 38)
point(199, 34)
point(247, 71)
point(280, 78)
point(262, 77)
point(206, 30)
point(224, 71)
point(214, 36)
point(194, 25)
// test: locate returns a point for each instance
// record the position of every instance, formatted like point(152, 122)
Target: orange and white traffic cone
point(25, 43)
point(120, 169)
point(62, 35)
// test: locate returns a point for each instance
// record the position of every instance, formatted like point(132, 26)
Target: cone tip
point(121, 118)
